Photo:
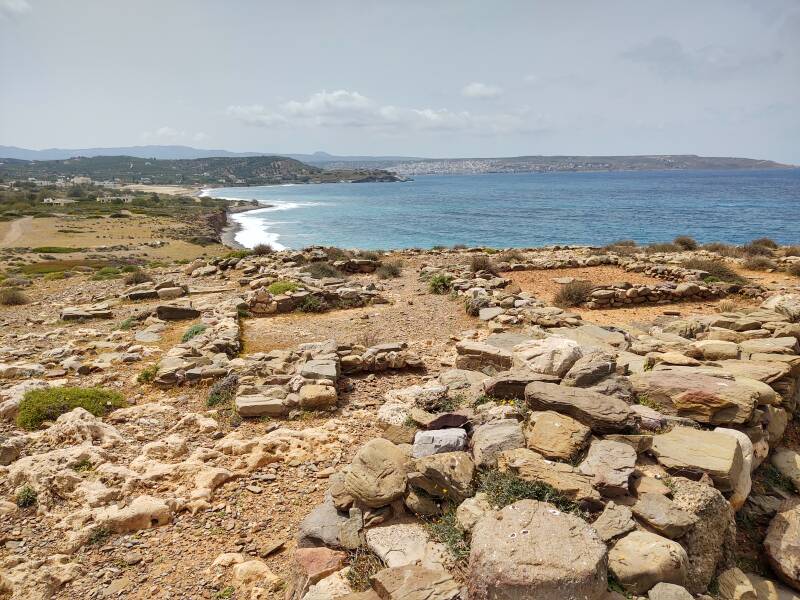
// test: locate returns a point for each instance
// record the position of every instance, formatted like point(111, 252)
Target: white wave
point(256, 230)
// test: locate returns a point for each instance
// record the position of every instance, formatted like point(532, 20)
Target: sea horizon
point(517, 210)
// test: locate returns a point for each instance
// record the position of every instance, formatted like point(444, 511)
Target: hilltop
point(244, 170)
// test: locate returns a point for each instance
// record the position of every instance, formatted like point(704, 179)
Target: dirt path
point(15, 231)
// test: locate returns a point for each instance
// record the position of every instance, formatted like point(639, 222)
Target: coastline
point(233, 227)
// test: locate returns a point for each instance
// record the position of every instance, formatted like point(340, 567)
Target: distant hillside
point(250, 170)
point(160, 152)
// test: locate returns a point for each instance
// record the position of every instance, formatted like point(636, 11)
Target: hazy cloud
point(480, 90)
point(670, 59)
point(12, 8)
point(343, 108)
point(168, 134)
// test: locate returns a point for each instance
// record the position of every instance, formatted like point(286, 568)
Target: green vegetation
point(390, 270)
point(645, 400)
point(238, 254)
point(262, 249)
point(224, 593)
point(12, 297)
point(572, 294)
point(506, 488)
point(775, 478)
point(38, 406)
point(55, 250)
point(320, 270)
point(26, 496)
point(223, 391)
point(686, 243)
point(83, 465)
point(439, 284)
point(445, 530)
point(283, 286)
point(105, 273)
point(127, 324)
point(99, 535)
point(717, 270)
point(148, 374)
point(193, 331)
point(55, 276)
point(312, 304)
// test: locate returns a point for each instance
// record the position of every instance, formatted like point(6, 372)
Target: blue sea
point(526, 209)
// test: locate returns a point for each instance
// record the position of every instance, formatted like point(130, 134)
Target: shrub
point(26, 496)
point(571, 294)
point(506, 488)
point(753, 249)
point(126, 324)
point(369, 255)
point(281, 287)
point(459, 246)
point(312, 304)
point(193, 331)
point(238, 254)
point(439, 284)
point(717, 270)
point(363, 565)
point(262, 249)
point(12, 297)
point(55, 250)
point(653, 248)
point(794, 268)
point(512, 256)
point(16, 282)
point(726, 305)
point(685, 242)
point(137, 276)
point(759, 263)
point(223, 390)
point(482, 263)
point(320, 270)
point(628, 243)
point(148, 374)
point(333, 253)
point(723, 249)
point(38, 406)
point(446, 530)
point(791, 251)
point(389, 270)
point(474, 304)
point(766, 242)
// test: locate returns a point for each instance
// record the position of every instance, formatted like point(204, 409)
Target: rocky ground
point(292, 431)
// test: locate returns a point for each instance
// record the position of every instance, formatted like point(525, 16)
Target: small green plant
point(483, 399)
point(55, 250)
point(685, 242)
point(193, 331)
point(506, 488)
point(645, 400)
point(445, 530)
point(99, 535)
point(38, 406)
point(281, 287)
point(312, 304)
point(12, 297)
point(224, 593)
point(26, 496)
point(389, 270)
point(223, 391)
point(126, 324)
point(572, 294)
point(238, 254)
point(439, 284)
point(54, 276)
point(148, 374)
point(83, 465)
point(363, 565)
point(777, 479)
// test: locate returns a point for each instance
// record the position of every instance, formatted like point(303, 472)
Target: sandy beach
point(175, 190)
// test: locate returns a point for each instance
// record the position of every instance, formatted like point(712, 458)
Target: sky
point(438, 78)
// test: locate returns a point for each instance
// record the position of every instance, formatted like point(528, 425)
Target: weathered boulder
point(663, 515)
point(610, 464)
point(699, 396)
point(590, 368)
point(401, 544)
point(447, 475)
point(615, 520)
point(782, 544)
point(511, 384)
point(477, 356)
point(490, 439)
point(641, 559)
point(414, 582)
point(742, 486)
point(552, 355)
point(602, 414)
point(684, 450)
point(316, 397)
point(785, 304)
point(668, 591)
point(734, 585)
point(531, 550)
point(530, 466)
point(434, 441)
point(787, 461)
point(770, 590)
point(377, 475)
point(556, 436)
point(171, 312)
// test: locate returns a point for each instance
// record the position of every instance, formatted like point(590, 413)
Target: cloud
point(13, 8)
point(168, 134)
point(346, 109)
point(480, 90)
point(667, 57)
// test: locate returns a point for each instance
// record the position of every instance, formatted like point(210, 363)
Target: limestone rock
point(734, 585)
point(552, 356)
point(438, 440)
point(446, 475)
point(668, 591)
point(781, 544)
point(663, 515)
point(316, 397)
point(377, 475)
point(490, 439)
point(603, 414)
point(402, 544)
point(615, 520)
point(477, 356)
point(641, 559)
point(788, 463)
point(556, 436)
point(590, 368)
point(511, 384)
point(532, 551)
point(414, 582)
point(611, 465)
